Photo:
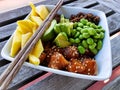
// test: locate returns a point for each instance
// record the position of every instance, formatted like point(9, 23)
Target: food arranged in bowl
point(70, 44)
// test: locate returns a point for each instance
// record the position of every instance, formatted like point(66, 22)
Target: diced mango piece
point(25, 38)
point(26, 26)
point(34, 30)
point(34, 60)
point(16, 43)
point(37, 20)
point(42, 11)
point(33, 11)
point(38, 49)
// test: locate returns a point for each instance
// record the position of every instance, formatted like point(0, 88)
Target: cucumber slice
point(49, 33)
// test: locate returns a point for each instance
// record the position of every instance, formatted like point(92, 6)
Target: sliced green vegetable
point(49, 33)
point(62, 40)
point(81, 49)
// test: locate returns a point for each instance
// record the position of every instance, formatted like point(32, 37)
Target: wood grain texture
point(115, 48)
point(7, 30)
point(1, 46)
point(58, 82)
point(114, 85)
point(20, 13)
point(113, 4)
point(103, 8)
point(114, 23)
point(24, 73)
point(82, 3)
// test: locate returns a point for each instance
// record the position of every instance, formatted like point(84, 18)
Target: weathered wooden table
point(33, 79)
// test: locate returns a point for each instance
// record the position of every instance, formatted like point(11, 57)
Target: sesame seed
point(75, 70)
point(77, 67)
point(86, 65)
point(89, 69)
point(86, 61)
point(73, 54)
point(88, 73)
point(70, 67)
point(81, 67)
point(75, 63)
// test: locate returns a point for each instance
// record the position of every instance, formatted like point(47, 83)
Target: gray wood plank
point(7, 17)
point(7, 30)
point(103, 8)
point(82, 3)
point(114, 23)
point(1, 46)
point(67, 83)
point(115, 43)
point(20, 13)
point(114, 85)
point(96, 5)
point(113, 4)
point(24, 73)
point(58, 82)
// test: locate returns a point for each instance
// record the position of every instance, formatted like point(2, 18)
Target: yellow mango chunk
point(37, 20)
point(33, 11)
point(16, 43)
point(34, 30)
point(26, 26)
point(34, 60)
point(38, 49)
point(42, 12)
point(25, 38)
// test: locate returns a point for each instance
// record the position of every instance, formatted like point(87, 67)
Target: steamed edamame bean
point(77, 40)
point(75, 25)
point(101, 35)
point(92, 31)
point(94, 51)
point(79, 28)
point(81, 49)
point(84, 21)
point(77, 35)
point(71, 40)
point(80, 24)
point(81, 37)
point(85, 30)
point(86, 35)
point(99, 27)
point(88, 23)
point(90, 41)
point(99, 45)
point(93, 25)
point(97, 36)
point(84, 43)
point(92, 46)
point(85, 26)
point(74, 32)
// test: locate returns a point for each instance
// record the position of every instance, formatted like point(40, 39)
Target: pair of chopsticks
point(8, 75)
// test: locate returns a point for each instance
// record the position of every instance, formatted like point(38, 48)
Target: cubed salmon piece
point(57, 61)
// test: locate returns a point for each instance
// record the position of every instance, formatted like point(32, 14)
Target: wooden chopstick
point(14, 67)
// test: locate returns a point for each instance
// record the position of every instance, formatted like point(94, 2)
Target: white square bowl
point(103, 58)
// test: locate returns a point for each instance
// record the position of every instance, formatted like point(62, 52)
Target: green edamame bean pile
point(87, 35)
